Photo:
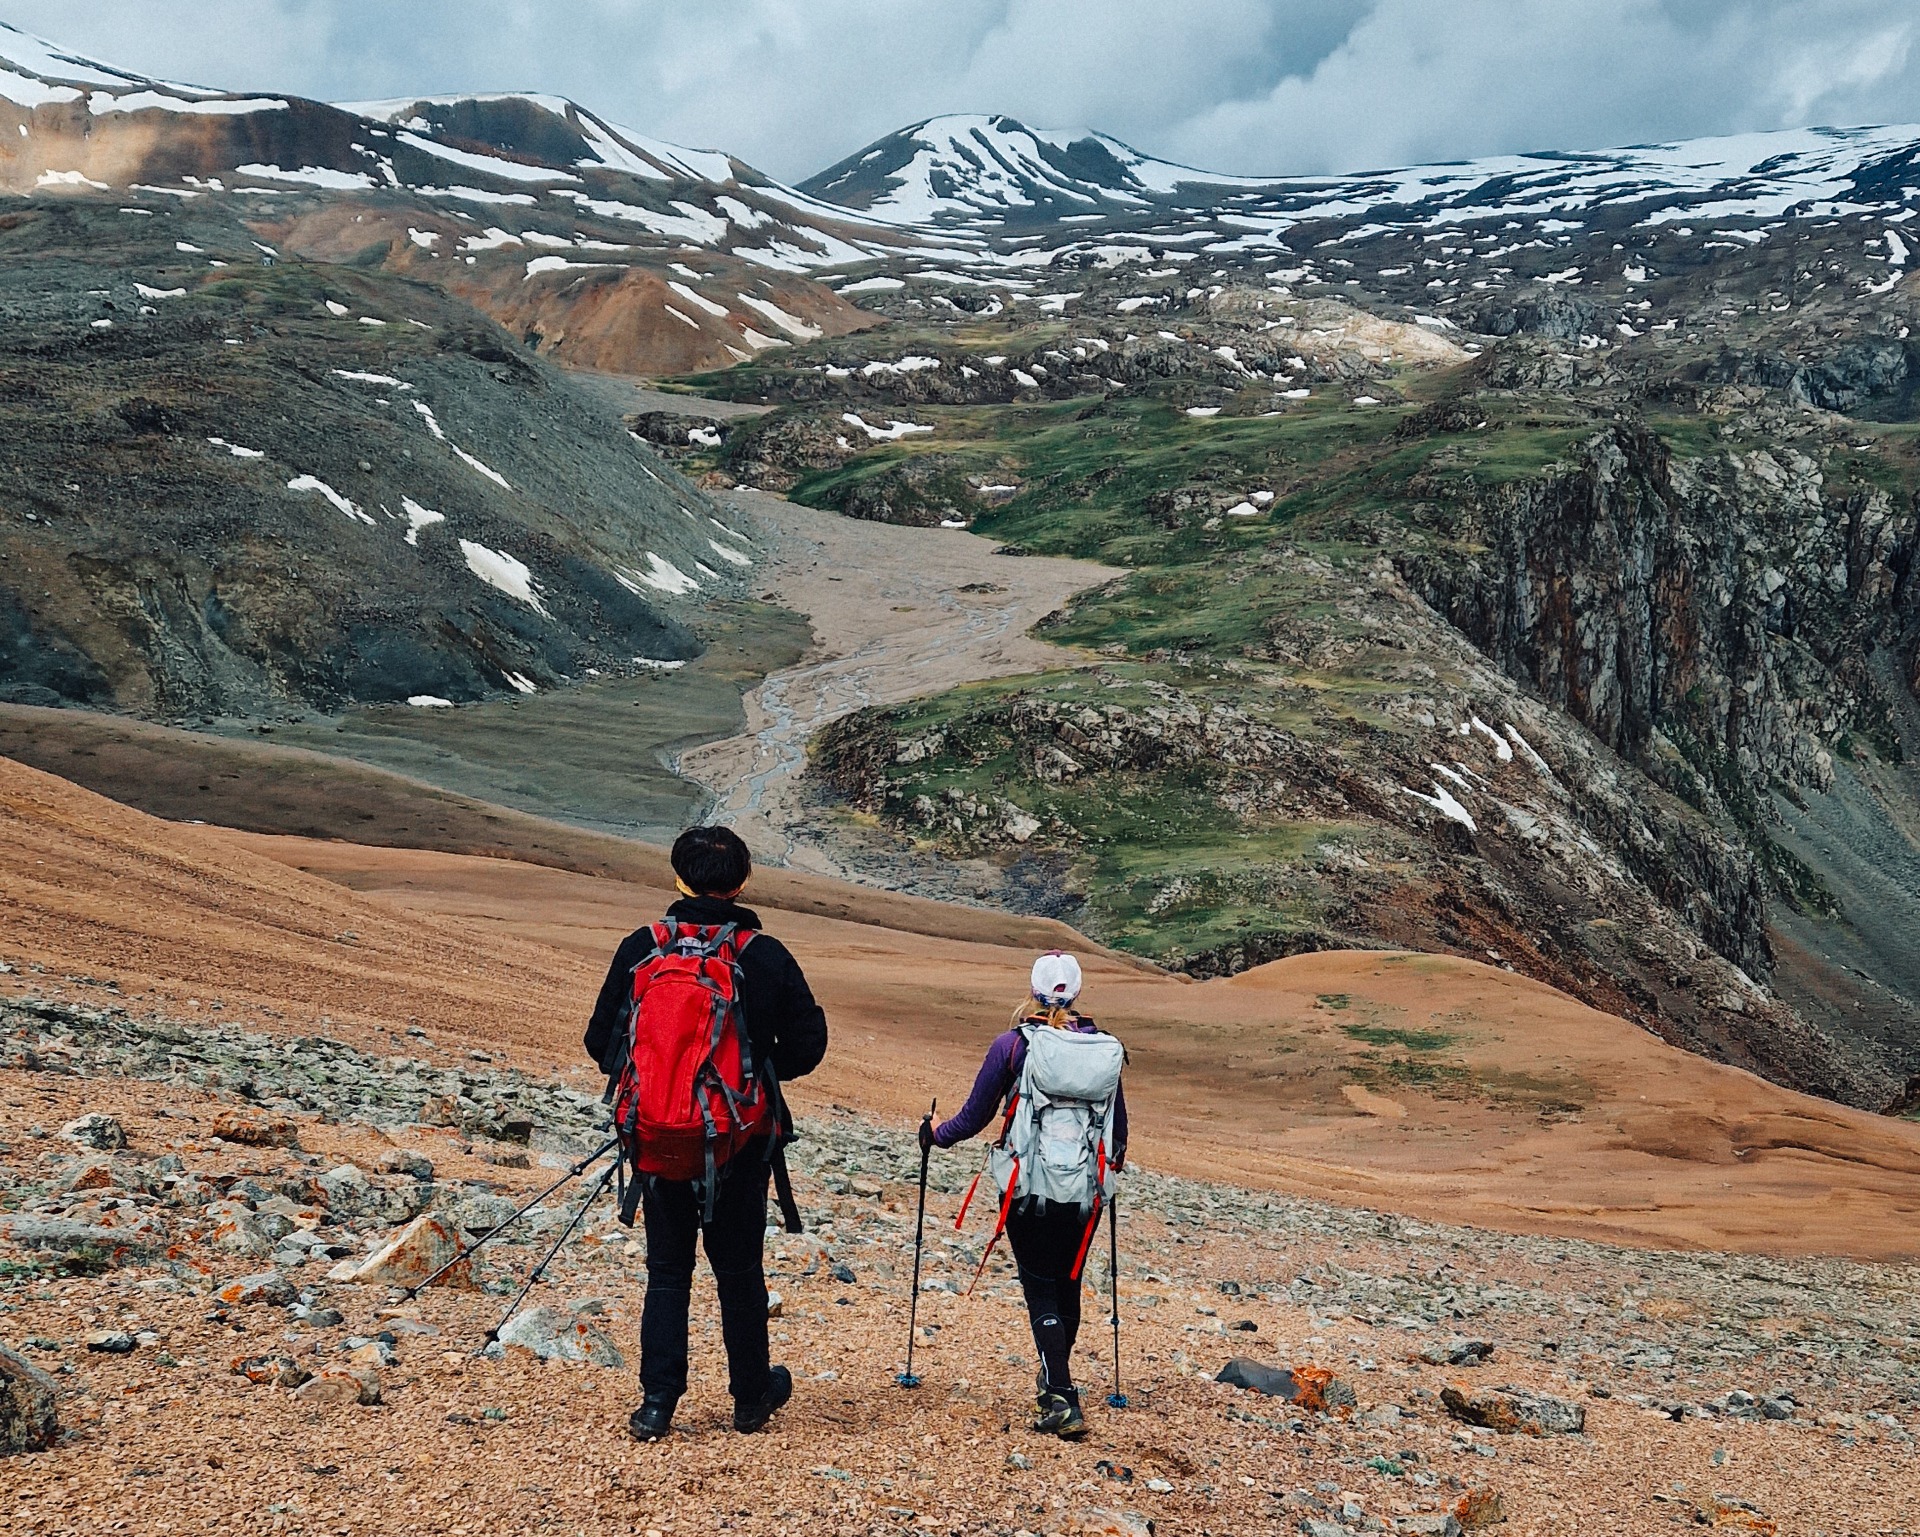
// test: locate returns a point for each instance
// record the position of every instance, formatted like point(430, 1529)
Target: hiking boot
point(1058, 1414)
point(749, 1417)
point(652, 1421)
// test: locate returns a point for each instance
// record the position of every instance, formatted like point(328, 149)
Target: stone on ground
point(251, 1129)
point(111, 1342)
point(1514, 1411)
point(103, 1133)
point(401, 1160)
point(275, 1371)
point(556, 1336)
point(336, 1386)
point(28, 1400)
point(409, 1257)
point(1312, 1388)
point(267, 1287)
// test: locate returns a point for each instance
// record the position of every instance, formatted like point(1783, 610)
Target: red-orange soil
point(1430, 1086)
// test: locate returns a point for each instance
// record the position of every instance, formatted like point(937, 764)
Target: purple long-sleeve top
point(997, 1077)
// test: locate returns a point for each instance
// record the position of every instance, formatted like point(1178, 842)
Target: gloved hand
point(926, 1134)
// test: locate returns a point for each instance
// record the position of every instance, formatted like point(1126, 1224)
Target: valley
point(1441, 645)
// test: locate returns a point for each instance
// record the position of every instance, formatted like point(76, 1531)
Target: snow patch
point(665, 576)
point(791, 324)
point(237, 451)
point(418, 518)
point(1443, 802)
point(890, 433)
point(309, 175)
point(500, 570)
point(1501, 750)
point(359, 378)
point(694, 297)
point(504, 170)
point(304, 483)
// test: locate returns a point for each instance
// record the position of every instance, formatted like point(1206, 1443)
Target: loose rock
point(1514, 1411)
point(28, 1399)
point(1313, 1388)
point(268, 1287)
point(252, 1130)
point(95, 1130)
point(335, 1386)
point(409, 1257)
point(556, 1336)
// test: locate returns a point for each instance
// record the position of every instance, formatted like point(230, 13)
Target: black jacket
point(788, 1028)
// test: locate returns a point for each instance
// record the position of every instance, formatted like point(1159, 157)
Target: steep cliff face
point(1710, 619)
point(1742, 629)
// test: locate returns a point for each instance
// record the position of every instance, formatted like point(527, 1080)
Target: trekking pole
point(493, 1334)
point(907, 1379)
point(1116, 1399)
point(574, 1171)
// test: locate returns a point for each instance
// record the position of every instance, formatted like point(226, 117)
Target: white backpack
point(1058, 1142)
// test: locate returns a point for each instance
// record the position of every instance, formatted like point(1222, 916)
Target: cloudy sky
point(1254, 86)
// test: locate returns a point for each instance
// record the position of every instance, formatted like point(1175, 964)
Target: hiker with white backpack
point(1054, 1080)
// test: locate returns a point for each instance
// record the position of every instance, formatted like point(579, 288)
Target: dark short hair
point(711, 859)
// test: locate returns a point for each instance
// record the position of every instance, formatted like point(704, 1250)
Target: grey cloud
point(1257, 86)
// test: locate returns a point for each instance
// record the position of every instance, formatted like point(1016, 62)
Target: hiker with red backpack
point(1054, 1078)
point(701, 1019)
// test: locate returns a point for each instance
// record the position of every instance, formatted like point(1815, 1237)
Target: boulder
point(111, 1342)
point(1312, 1388)
point(409, 1257)
point(556, 1336)
point(266, 1287)
point(96, 1130)
point(238, 1230)
point(28, 1400)
point(1428, 1526)
point(1514, 1411)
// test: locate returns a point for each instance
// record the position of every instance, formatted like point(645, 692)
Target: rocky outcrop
point(1709, 620)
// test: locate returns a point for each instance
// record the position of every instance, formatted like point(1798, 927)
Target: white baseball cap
point(1056, 977)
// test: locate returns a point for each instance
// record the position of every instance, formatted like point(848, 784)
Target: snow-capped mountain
point(994, 172)
point(994, 175)
point(530, 206)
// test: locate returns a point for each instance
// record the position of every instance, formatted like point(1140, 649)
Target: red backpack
point(690, 1094)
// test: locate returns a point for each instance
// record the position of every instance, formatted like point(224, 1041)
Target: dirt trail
point(897, 613)
point(1425, 1085)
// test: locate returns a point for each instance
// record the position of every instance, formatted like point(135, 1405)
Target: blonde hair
point(1035, 1012)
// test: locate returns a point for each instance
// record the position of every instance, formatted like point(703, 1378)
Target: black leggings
point(1046, 1241)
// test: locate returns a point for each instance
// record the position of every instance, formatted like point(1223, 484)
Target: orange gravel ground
point(195, 1449)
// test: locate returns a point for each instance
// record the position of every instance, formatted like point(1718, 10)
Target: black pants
point(735, 1240)
point(1046, 1241)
